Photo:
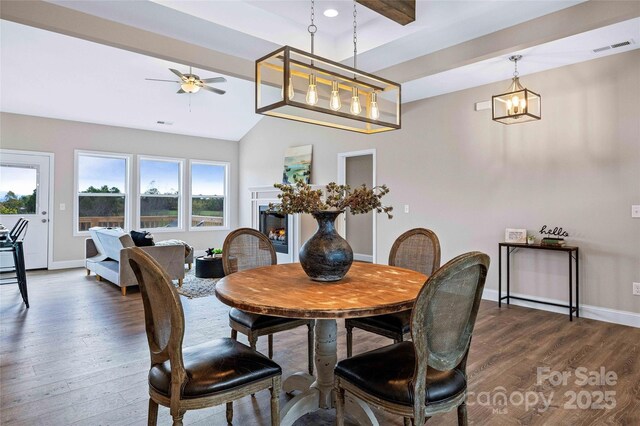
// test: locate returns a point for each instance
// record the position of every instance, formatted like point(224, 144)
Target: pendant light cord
point(312, 27)
point(355, 34)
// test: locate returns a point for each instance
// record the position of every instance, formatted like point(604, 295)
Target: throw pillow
point(142, 239)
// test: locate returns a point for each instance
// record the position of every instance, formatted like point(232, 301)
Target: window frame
point(76, 181)
point(180, 196)
point(225, 212)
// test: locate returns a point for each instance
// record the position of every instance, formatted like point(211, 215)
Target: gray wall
point(63, 137)
point(468, 178)
point(359, 170)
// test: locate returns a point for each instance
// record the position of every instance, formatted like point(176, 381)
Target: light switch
point(635, 211)
point(63, 206)
point(406, 208)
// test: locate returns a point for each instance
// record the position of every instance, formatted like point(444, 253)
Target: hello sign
point(555, 232)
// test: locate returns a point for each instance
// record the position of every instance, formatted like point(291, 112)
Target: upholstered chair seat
point(212, 367)
point(387, 373)
point(257, 321)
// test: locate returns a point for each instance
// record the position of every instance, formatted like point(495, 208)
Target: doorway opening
point(354, 169)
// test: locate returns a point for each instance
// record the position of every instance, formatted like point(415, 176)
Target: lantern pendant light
point(518, 104)
point(296, 85)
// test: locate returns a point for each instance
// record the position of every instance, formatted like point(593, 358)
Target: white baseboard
point(363, 257)
point(66, 264)
point(586, 311)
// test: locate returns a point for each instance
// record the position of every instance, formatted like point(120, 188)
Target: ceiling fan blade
point(181, 91)
point(179, 74)
point(157, 79)
point(214, 80)
point(214, 90)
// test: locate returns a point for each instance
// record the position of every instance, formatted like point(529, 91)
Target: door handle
point(45, 220)
point(44, 212)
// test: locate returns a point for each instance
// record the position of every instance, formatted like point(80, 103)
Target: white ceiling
point(68, 78)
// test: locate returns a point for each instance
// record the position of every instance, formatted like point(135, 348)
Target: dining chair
point(14, 244)
point(426, 376)
point(208, 374)
point(417, 249)
point(246, 248)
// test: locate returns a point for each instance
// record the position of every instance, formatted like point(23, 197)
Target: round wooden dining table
point(286, 291)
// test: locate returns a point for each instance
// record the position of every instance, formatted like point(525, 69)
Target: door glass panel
point(18, 189)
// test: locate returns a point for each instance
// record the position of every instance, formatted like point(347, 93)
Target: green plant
point(211, 251)
point(301, 198)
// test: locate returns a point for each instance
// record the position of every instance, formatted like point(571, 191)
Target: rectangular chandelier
point(297, 85)
point(517, 106)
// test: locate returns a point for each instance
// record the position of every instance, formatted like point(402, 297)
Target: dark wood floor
point(79, 356)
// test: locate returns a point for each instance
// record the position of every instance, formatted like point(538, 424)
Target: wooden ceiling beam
point(401, 11)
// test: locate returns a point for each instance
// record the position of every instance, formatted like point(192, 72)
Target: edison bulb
point(334, 101)
point(374, 110)
point(290, 92)
point(523, 104)
point(355, 102)
point(312, 91)
point(509, 106)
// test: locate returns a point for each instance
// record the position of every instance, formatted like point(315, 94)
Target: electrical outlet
point(636, 289)
point(635, 211)
point(406, 208)
point(63, 206)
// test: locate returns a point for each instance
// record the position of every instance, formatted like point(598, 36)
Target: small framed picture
point(512, 235)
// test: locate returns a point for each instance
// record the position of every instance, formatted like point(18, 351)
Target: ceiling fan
point(191, 83)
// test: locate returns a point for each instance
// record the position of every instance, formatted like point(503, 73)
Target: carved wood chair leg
point(462, 414)
point(152, 418)
point(271, 346)
point(253, 340)
point(407, 421)
point(88, 272)
point(98, 277)
point(229, 412)
point(349, 341)
point(339, 405)
point(180, 281)
point(234, 334)
point(177, 417)
point(189, 266)
point(123, 290)
point(275, 401)
point(311, 326)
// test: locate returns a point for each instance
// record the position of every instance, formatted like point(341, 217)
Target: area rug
point(194, 287)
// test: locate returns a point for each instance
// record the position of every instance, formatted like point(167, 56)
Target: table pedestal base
point(318, 392)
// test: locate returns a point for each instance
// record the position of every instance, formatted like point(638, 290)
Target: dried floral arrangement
point(301, 198)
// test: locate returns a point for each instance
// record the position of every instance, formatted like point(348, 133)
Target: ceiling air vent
point(613, 46)
point(165, 123)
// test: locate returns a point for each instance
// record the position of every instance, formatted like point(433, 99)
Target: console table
point(572, 252)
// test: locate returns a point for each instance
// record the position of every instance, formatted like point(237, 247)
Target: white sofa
point(105, 256)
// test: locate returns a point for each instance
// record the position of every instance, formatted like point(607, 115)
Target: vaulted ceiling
point(88, 60)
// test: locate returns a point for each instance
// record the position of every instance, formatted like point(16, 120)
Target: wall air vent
point(614, 46)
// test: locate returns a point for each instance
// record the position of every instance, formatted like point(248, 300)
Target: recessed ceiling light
point(330, 13)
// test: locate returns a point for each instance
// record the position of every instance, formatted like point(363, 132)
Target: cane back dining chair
point(246, 248)
point(417, 249)
point(212, 373)
point(426, 376)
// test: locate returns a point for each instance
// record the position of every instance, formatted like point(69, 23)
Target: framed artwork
point(297, 164)
point(512, 235)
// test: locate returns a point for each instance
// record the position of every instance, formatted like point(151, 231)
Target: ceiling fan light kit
point(518, 104)
point(323, 92)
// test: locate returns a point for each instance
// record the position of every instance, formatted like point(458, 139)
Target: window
point(209, 206)
point(160, 193)
point(102, 190)
point(18, 189)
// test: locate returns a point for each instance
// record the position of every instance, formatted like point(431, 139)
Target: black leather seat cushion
point(387, 373)
point(215, 366)
point(256, 321)
point(399, 322)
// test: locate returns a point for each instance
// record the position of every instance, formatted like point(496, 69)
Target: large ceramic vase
point(326, 256)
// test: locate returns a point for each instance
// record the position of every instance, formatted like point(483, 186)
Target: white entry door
point(24, 192)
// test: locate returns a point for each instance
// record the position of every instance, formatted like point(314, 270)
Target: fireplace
point(276, 227)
